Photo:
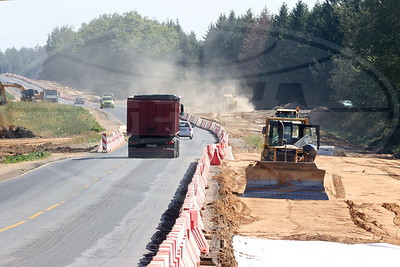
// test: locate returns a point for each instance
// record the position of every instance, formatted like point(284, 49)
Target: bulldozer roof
point(293, 120)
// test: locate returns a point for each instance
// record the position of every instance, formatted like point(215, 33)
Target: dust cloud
point(202, 89)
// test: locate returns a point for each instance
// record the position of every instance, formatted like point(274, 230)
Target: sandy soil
point(364, 197)
point(363, 191)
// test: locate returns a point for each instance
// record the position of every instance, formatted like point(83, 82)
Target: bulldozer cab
point(284, 132)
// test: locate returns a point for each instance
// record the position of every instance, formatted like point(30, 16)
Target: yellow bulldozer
point(287, 169)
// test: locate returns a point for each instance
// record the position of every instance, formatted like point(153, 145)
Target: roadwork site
point(363, 191)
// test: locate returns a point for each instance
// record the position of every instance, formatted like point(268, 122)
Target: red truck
point(153, 126)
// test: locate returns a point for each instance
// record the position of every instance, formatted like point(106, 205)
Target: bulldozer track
point(290, 217)
point(339, 188)
point(395, 208)
point(363, 221)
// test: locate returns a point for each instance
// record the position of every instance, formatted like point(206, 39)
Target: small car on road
point(79, 100)
point(185, 129)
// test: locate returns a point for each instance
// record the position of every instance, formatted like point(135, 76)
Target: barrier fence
point(112, 142)
point(186, 242)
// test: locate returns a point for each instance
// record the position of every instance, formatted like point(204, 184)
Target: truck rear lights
point(170, 143)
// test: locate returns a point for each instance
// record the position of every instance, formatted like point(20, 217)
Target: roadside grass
point(8, 95)
point(254, 140)
point(50, 119)
point(26, 157)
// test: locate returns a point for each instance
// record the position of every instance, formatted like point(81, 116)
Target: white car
point(185, 129)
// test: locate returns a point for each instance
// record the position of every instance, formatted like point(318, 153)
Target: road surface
point(101, 210)
point(6, 79)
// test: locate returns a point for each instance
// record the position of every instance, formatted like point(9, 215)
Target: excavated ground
point(363, 191)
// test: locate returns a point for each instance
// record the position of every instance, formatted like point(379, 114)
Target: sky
point(27, 23)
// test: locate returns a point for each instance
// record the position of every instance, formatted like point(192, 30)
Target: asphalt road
point(100, 210)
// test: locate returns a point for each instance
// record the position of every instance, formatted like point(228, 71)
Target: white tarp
point(261, 252)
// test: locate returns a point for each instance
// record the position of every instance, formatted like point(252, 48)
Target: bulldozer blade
point(285, 180)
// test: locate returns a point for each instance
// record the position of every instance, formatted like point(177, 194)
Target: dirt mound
point(229, 212)
point(319, 115)
point(16, 132)
point(54, 145)
point(291, 106)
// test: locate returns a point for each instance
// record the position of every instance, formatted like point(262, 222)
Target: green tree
point(282, 19)
point(298, 17)
point(371, 29)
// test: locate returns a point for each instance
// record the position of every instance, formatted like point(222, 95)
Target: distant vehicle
point(185, 129)
point(287, 113)
point(153, 126)
point(30, 95)
point(229, 102)
point(79, 101)
point(347, 103)
point(109, 94)
point(106, 102)
point(49, 95)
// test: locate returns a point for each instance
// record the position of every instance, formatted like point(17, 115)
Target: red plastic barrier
point(216, 160)
point(186, 241)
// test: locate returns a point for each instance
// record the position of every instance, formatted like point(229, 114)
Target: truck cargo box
point(153, 115)
point(153, 126)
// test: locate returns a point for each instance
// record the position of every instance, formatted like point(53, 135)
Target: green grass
point(26, 157)
point(255, 140)
point(8, 95)
point(49, 119)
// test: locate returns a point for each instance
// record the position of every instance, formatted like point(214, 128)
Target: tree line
point(25, 61)
point(298, 52)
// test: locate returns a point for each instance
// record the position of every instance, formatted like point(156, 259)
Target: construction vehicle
point(153, 126)
point(287, 113)
point(26, 94)
point(287, 169)
point(3, 95)
point(30, 95)
point(229, 102)
point(49, 95)
point(3, 91)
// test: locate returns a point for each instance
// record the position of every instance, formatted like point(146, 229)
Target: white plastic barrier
point(186, 241)
point(108, 144)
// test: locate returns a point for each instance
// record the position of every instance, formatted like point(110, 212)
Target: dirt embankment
point(363, 191)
